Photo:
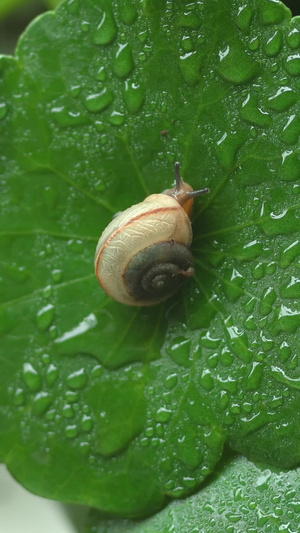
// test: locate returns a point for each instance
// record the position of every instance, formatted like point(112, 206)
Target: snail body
point(143, 256)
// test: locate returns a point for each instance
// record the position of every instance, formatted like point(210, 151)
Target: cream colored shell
point(159, 218)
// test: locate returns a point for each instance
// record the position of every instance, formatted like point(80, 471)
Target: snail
point(143, 256)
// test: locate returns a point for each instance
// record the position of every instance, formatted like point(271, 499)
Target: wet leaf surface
point(118, 407)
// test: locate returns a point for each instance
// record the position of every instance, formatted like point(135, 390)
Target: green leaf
point(239, 497)
point(123, 408)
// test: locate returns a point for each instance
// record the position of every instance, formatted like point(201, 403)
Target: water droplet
point(292, 65)
point(66, 117)
point(45, 317)
point(284, 352)
point(254, 44)
point(244, 17)
point(56, 275)
point(85, 26)
point(206, 380)
point(67, 411)
point(133, 95)
point(289, 254)
point(72, 397)
point(86, 423)
point(31, 377)
point(293, 38)
point(190, 65)
point(3, 110)
point(280, 223)
point(226, 357)
point(227, 147)
point(106, 31)
point(287, 319)
point(254, 378)
point(75, 90)
point(71, 431)
point(267, 300)
point(77, 380)
point(143, 36)
point(267, 344)
point(117, 118)
point(279, 375)
point(123, 63)
point(228, 384)
point(163, 414)
point(291, 289)
point(187, 44)
point(171, 381)
point(291, 130)
point(127, 12)
point(101, 74)
point(51, 375)
point(249, 323)
point(19, 397)
point(273, 44)
point(41, 403)
point(233, 286)
point(238, 343)
point(210, 342)
point(252, 112)
point(180, 351)
point(99, 101)
point(283, 99)
point(235, 65)
point(272, 12)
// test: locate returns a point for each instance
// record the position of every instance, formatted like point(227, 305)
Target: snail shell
point(143, 255)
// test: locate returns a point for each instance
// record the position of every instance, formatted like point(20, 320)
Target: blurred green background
point(15, 15)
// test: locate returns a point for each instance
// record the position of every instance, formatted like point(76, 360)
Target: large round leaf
point(121, 407)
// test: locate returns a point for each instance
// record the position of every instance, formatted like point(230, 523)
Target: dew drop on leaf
point(180, 351)
point(289, 254)
point(133, 95)
point(86, 423)
point(3, 110)
point(272, 12)
point(45, 317)
point(123, 63)
point(171, 381)
point(51, 374)
point(244, 17)
point(293, 38)
point(127, 12)
point(292, 65)
point(236, 70)
point(283, 99)
point(206, 380)
point(19, 397)
point(99, 101)
point(77, 380)
point(291, 130)
point(254, 376)
point(117, 118)
point(163, 414)
point(71, 431)
point(106, 30)
point(41, 403)
point(291, 289)
point(67, 411)
point(31, 377)
point(273, 44)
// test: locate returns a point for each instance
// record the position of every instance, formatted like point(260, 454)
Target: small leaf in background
point(240, 497)
point(124, 408)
